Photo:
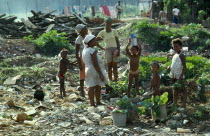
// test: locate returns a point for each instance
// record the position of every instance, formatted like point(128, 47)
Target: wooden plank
point(46, 14)
point(28, 23)
point(80, 19)
point(49, 28)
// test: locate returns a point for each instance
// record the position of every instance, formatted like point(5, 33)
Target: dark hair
point(137, 48)
point(64, 51)
point(161, 8)
point(175, 6)
point(155, 63)
point(177, 41)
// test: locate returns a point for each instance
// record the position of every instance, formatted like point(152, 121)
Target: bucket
point(163, 113)
point(119, 119)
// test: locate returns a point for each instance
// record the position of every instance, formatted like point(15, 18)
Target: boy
point(134, 56)
point(178, 69)
point(63, 66)
point(176, 14)
point(155, 81)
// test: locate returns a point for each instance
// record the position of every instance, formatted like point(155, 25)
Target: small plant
point(154, 102)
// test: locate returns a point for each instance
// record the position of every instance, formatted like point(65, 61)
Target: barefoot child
point(134, 56)
point(155, 81)
point(178, 68)
point(64, 64)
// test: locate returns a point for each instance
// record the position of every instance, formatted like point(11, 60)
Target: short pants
point(109, 54)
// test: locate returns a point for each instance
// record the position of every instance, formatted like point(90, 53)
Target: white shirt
point(176, 11)
point(79, 41)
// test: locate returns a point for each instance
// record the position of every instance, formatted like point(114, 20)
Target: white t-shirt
point(79, 41)
point(176, 11)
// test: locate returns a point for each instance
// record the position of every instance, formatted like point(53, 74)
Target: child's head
point(108, 22)
point(64, 53)
point(134, 49)
point(155, 67)
point(177, 45)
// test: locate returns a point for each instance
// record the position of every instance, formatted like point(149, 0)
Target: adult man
point(118, 9)
point(175, 13)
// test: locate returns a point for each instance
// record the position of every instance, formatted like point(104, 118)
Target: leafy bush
point(51, 43)
point(158, 38)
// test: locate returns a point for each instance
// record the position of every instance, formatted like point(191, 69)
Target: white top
point(176, 67)
point(117, 6)
point(176, 11)
point(79, 41)
point(92, 77)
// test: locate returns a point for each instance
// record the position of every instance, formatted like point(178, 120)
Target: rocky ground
point(21, 115)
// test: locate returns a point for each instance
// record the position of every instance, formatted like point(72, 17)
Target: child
point(134, 56)
point(155, 81)
point(64, 64)
point(178, 68)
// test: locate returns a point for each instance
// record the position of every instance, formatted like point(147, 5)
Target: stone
point(137, 129)
point(181, 130)
point(38, 55)
point(12, 80)
point(106, 121)
point(166, 130)
point(94, 116)
point(10, 103)
point(177, 116)
point(185, 122)
point(21, 117)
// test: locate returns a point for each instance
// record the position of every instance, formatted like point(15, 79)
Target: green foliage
point(51, 43)
point(204, 79)
point(155, 101)
point(120, 111)
point(196, 66)
point(158, 38)
point(126, 104)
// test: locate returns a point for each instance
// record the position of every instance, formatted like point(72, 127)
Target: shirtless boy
point(134, 56)
point(63, 66)
point(155, 81)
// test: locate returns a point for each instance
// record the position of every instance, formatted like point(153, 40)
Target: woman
point(112, 51)
point(95, 70)
point(82, 32)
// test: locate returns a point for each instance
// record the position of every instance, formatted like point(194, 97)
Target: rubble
point(44, 22)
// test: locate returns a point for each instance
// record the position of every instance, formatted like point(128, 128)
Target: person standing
point(118, 9)
point(112, 48)
point(95, 70)
point(82, 32)
point(176, 14)
point(162, 17)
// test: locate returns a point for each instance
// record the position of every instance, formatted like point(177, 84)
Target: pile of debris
point(44, 22)
point(37, 24)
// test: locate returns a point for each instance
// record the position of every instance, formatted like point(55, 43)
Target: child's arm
point(77, 56)
point(127, 50)
point(99, 46)
point(183, 59)
point(139, 45)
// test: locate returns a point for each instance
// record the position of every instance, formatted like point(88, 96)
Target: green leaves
point(51, 43)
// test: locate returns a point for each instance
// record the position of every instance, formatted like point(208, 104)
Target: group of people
point(92, 69)
point(163, 16)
